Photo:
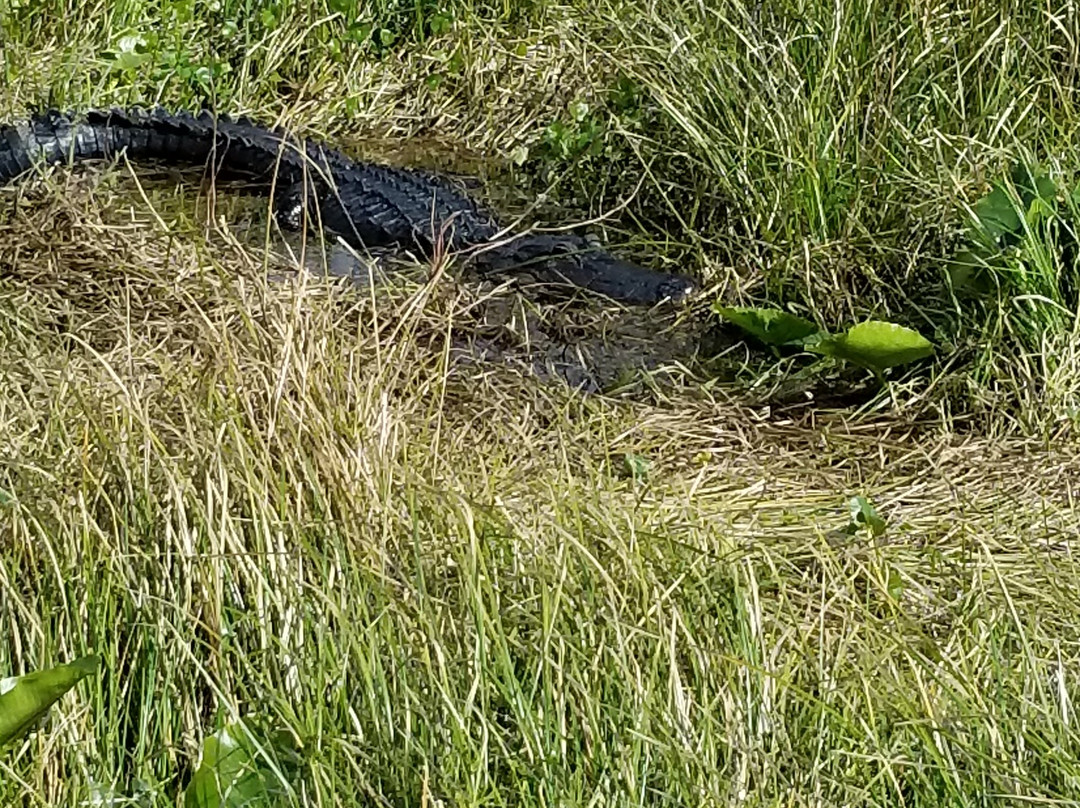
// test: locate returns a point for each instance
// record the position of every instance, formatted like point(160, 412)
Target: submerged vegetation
point(315, 525)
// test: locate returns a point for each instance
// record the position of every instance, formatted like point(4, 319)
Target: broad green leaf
point(877, 345)
point(771, 326)
point(997, 214)
point(233, 773)
point(25, 699)
point(1031, 186)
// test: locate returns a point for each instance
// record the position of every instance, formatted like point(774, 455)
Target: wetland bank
point(255, 492)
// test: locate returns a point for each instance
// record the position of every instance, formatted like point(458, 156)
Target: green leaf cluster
point(873, 344)
point(1021, 236)
point(244, 765)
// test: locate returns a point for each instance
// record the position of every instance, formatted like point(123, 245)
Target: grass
point(292, 500)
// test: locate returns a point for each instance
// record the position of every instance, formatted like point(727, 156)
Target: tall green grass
point(249, 500)
point(811, 150)
point(294, 501)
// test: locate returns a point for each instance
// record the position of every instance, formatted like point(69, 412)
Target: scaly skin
point(367, 205)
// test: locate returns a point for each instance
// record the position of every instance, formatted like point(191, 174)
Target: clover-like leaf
point(634, 466)
point(997, 215)
point(864, 516)
point(1032, 186)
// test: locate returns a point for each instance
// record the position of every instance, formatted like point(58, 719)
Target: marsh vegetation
point(733, 575)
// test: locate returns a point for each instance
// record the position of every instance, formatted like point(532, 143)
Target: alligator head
point(571, 260)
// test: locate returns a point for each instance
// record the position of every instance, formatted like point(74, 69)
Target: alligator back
point(390, 205)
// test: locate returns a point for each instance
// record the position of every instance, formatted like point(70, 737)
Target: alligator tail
point(235, 147)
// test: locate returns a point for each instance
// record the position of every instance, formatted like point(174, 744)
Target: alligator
point(367, 205)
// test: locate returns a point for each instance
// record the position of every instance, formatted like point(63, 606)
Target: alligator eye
point(678, 289)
